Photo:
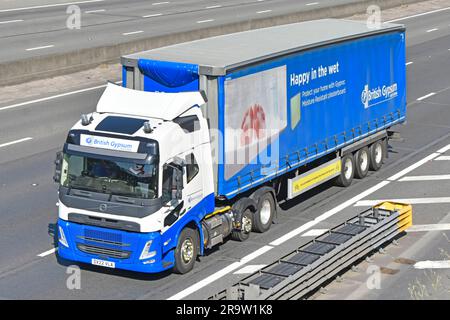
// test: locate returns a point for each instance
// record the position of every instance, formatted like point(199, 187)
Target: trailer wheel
point(347, 172)
point(186, 251)
point(362, 162)
point(245, 228)
point(263, 217)
point(376, 155)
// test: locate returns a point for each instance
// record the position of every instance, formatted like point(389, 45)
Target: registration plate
point(103, 263)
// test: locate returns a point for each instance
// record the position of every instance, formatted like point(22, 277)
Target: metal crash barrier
point(308, 267)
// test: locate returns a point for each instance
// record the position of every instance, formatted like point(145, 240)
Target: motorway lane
point(124, 21)
point(44, 278)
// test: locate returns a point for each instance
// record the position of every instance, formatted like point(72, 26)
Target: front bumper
point(121, 247)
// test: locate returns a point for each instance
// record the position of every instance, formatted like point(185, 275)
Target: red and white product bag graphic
point(255, 114)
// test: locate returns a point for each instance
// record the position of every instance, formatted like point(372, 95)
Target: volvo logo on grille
point(103, 207)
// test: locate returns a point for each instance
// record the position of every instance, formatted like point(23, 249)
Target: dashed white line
point(159, 3)
point(370, 203)
point(214, 7)
point(15, 142)
point(426, 96)
point(11, 21)
point(95, 11)
point(408, 63)
point(432, 30)
point(429, 227)
point(444, 264)
point(204, 21)
point(152, 15)
point(312, 4)
point(50, 5)
point(46, 253)
point(426, 178)
point(250, 269)
point(314, 232)
point(132, 32)
point(264, 11)
point(40, 48)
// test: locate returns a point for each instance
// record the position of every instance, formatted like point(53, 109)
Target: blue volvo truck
point(204, 138)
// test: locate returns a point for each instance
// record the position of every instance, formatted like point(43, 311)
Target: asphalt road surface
point(35, 28)
point(30, 135)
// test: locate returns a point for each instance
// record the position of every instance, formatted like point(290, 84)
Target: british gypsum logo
point(387, 92)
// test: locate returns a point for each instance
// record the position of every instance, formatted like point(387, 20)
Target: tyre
point(362, 162)
point(265, 212)
point(186, 251)
point(377, 155)
point(347, 171)
point(245, 226)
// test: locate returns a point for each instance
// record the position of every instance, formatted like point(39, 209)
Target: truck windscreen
point(122, 178)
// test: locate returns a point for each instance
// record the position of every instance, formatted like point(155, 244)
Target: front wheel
point(186, 251)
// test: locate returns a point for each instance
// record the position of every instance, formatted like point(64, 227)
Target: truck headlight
point(146, 253)
point(62, 237)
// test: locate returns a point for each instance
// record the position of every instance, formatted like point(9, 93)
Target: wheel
point(245, 226)
point(347, 171)
point(186, 251)
point(262, 218)
point(362, 161)
point(376, 152)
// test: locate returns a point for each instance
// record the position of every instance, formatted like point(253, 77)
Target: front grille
point(113, 253)
point(103, 235)
point(120, 244)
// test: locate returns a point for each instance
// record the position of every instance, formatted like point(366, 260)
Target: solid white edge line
point(15, 142)
point(434, 29)
point(443, 158)
point(219, 274)
point(50, 5)
point(204, 21)
point(40, 48)
point(314, 232)
point(426, 96)
point(11, 21)
point(444, 149)
point(95, 11)
point(264, 11)
point(431, 200)
point(429, 227)
point(250, 269)
point(132, 32)
point(152, 15)
point(419, 15)
point(46, 253)
point(413, 166)
point(443, 264)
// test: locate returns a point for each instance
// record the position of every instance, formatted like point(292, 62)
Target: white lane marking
point(432, 30)
point(419, 15)
point(50, 5)
point(443, 158)
point(311, 4)
point(204, 21)
point(223, 272)
point(264, 11)
point(159, 3)
point(443, 264)
point(370, 203)
point(152, 15)
point(46, 253)
point(328, 214)
point(50, 98)
point(214, 7)
point(219, 274)
point(95, 11)
point(426, 96)
point(426, 178)
point(132, 32)
point(444, 149)
point(408, 63)
point(413, 167)
point(250, 269)
point(11, 21)
point(15, 142)
point(314, 232)
point(429, 227)
point(40, 48)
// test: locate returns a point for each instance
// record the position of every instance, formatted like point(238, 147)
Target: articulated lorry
point(203, 139)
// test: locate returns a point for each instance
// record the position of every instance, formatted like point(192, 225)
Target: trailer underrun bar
point(311, 265)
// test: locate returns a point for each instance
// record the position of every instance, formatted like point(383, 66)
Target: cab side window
point(192, 168)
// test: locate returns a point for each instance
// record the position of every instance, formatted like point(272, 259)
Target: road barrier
point(304, 270)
